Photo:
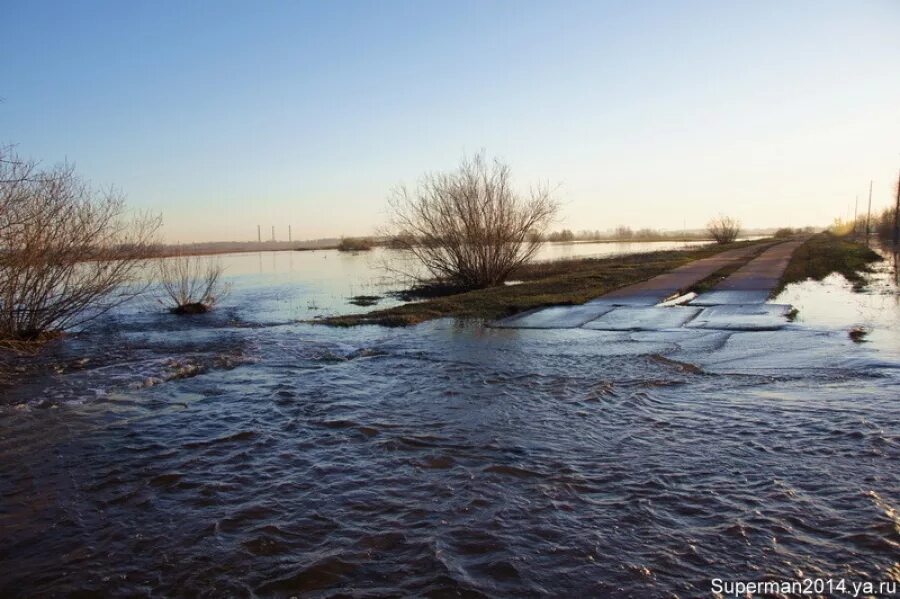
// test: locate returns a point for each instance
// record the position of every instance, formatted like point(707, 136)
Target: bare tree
point(469, 228)
point(68, 252)
point(189, 284)
point(724, 229)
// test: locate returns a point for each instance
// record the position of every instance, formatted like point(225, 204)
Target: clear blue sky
point(222, 115)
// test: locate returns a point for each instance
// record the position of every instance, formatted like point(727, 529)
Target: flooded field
point(242, 453)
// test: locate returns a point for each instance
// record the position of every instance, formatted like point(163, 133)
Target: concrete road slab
point(556, 317)
point(644, 299)
point(679, 279)
point(745, 317)
point(651, 318)
point(716, 298)
point(641, 297)
point(764, 271)
point(791, 350)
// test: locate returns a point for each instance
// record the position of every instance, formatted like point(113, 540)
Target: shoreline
point(577, 280)
point(567, 281)
point(169, 251)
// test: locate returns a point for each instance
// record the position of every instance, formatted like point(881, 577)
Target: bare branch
point(68, 252)
point(724, 229)
point(189, 284)
point(469, 228)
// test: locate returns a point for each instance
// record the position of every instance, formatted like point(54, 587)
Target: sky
point(224, 115)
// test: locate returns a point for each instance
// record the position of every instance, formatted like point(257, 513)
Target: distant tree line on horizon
point(625, 233)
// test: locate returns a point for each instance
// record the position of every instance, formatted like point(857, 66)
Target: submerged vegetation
point(540, 284)
point(858, 334)
point(364, 300)
point(189, 284)
point(827, 253)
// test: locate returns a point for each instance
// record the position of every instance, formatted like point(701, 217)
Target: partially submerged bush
point(189, 284)
point(365, 300)
point(356, 244)
point(68, 252)
point(469, 227)
point(724, 229)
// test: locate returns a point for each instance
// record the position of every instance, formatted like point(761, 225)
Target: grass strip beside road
point(826, 253)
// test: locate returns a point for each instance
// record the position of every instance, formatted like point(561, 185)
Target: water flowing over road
point(247, 455)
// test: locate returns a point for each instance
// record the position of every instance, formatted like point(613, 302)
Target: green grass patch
point(563, 282)
point(826, 253)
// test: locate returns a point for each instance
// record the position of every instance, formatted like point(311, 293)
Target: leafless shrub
point(468, 227)
point(189, 284)
point(724, 229)
point(68, 252)
point(785, 233)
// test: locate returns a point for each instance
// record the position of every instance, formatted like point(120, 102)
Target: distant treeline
point(362, 244)
point(228, 247)
point(342, 244)
point(623, 233)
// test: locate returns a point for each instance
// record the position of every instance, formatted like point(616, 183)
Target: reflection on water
point(238, 454)
point(832, 304)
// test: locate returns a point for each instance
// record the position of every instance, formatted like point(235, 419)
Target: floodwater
point(243, 454)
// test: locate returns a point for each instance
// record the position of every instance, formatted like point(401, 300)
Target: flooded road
point(242, 454)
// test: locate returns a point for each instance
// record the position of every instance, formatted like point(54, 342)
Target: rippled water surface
point(243, 454)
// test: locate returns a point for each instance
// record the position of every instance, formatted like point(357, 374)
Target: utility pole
point(855, 216)
point(897, 217)
point(869, 213)
point(258, 234)
point(290, 237)
point(273, 232)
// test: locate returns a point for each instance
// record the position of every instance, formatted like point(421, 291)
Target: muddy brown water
point(244, 455)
